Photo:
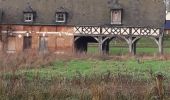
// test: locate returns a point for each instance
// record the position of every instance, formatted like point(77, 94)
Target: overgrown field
point(140, 69)
point(32, 76)
point(60, 77)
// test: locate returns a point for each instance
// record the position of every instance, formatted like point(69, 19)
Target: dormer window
point(29, 14)
point(116, 13)
point(116, 16)
point(61, 17)
point(28, 17)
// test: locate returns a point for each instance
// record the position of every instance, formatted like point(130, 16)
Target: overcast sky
point(168, 5)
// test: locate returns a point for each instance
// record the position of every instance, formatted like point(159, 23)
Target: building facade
point(167, 22)
point(66, 26)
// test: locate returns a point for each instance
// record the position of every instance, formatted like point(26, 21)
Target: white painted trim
point(11, 51)
point(17, 32)
point(55, 33)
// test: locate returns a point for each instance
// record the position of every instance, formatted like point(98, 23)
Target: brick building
point(64, 26)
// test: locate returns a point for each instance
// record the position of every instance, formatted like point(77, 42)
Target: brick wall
point(58, 38)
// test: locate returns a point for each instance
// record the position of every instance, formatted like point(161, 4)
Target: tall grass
point(97, 86)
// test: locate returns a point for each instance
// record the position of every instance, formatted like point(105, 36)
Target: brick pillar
point(51, 43)
point(35, 42)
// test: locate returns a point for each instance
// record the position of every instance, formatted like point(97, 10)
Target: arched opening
point(118, 46)
point(93, 48)
point(146, 46)
point(85, 44)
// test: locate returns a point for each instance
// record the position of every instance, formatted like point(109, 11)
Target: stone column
point(132, 41)
point(100, 42)
point(160, 45)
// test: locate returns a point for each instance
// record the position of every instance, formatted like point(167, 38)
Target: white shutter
point(116, 17)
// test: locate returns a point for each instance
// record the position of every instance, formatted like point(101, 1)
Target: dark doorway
point(27, 42)
point(82, 43)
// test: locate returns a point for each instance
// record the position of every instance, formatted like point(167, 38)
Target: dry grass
point(98, 87)
point(118, 88)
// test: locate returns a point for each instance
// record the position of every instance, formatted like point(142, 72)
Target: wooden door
point(11, 45)
point(116, 17)
point(27, 42)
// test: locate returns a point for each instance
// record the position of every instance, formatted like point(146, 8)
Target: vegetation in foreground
point(52, 77)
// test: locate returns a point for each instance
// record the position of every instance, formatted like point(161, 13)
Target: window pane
point(60, 17)
point(28, 17)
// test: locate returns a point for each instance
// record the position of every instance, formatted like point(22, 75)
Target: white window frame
point(63, 17)
point(119, 22)
point(28, 17)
